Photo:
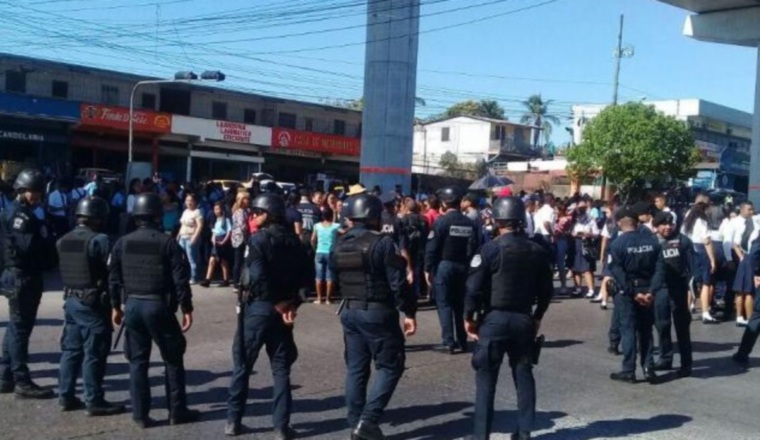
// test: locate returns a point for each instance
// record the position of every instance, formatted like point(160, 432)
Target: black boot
point(184, 416)
point(7, 386)
point(650, 375)
point(624, 377)
point(104, 409)
point(31, 390)
point(72, 404)
point(367, 431)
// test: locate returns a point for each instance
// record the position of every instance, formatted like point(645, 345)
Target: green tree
point(634, 144)
point(452, 167)
point(537, 114)
point(485, 108)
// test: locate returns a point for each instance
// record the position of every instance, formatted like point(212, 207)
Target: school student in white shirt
point(695, 227)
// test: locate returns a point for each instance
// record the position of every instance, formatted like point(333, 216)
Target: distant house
point(471, 139)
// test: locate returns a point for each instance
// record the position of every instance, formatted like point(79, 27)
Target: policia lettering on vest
point(153, 273)
point(87, 331)
point(673, 298)
point(507, 277)
point(372, 279)
point(451, 244)
point(268, 310)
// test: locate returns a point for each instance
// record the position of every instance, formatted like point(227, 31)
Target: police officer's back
point(86, 340)
point(275, 262)
point(371, 276)
point(507, 278)
point(637, 268)
point(150, 270)
point(450, 246)
point(27, 251)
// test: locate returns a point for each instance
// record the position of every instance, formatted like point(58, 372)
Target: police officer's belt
point(638, 282)
point(512, 310)
point(363, 305)
point(90, 297)
point(145, 297)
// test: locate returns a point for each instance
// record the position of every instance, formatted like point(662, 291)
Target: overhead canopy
point(702, 6)
point(734, 22)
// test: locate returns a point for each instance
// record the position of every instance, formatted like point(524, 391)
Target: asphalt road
point(576, 399)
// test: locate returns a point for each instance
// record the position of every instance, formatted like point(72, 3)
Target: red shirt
point(430, 216)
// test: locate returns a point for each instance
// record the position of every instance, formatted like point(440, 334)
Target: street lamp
point(179, 77)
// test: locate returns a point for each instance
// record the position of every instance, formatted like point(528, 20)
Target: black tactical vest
point(285, 262)
point(358, 279)
point(78, 269)
point(142, 262)
point(671, 253)
point(456, 245)
point(513, 288)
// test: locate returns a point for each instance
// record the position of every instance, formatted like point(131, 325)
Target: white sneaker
point(596, 299)
point(708, 319)
point(590, 294)
point(741, 322)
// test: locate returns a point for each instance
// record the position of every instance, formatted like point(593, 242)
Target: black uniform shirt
point(386, 255)
point(636, 256)
point(267, 278)
point(176, 273)
point(441, 232)
point(393, 226)
point(311, 215)
point(679, 258)
point(26, 242)
point(292, 216)
point(538, 280)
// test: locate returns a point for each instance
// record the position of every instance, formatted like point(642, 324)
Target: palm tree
point(537, 115)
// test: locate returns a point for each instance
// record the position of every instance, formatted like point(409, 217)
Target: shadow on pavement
point(563, 343)
point(619, 428)
point(716, 367)
point(711, 347)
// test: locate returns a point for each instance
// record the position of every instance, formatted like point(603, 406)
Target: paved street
point(576, 399)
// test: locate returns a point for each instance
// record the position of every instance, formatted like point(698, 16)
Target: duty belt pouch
point(90, 298)
point(9, 284)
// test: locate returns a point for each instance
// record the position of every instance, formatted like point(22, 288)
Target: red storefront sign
point(321, 143)
point(103, 116)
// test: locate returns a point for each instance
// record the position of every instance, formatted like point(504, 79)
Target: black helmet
point(509, 209)
point(365, 207)
point(92, 207)
point(450, 195)
point(30, 180)
point(148, 205)
point(271, 203)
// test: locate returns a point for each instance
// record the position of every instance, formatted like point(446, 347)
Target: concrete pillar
point(189, 167)
point(754, 164)
point(390, 85)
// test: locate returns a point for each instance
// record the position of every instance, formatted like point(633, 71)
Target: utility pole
point(620, 53)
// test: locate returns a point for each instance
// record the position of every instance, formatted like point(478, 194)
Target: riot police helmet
point(148, 205)
point(92, 207)
point(509, 209)
point(270, 203)
point(365, 207)
point(450, 195)
point(30, 179)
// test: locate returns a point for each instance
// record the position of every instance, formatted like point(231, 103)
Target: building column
point(754, 164)
point(390, 85)
point(189, 169)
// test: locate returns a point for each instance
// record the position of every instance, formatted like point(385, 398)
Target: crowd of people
point(488, 264)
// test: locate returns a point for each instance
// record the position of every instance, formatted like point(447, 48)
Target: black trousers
point(673, 301)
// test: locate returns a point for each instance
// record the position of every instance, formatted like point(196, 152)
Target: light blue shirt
point(221, 227)
point(90, 188)
point(325, 237)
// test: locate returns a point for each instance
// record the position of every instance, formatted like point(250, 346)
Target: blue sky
point(562, 49)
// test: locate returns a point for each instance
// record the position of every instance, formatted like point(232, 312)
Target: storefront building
point(305, 157)
point(35, 131)
point(205, 149)
point(101, 139)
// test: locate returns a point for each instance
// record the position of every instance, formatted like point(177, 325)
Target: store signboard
point(104, 116)
point(709, 152)
point(38, 107)
point(287, 139)
point(222, 131)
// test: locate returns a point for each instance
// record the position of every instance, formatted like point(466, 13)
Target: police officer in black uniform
point(151, 271)
point(269, 305)
point(86, 342)
point(637, 268)
point(28, 250)
point(371, 275)
point(673, 297)
point(451, 244)
point(507, 277)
